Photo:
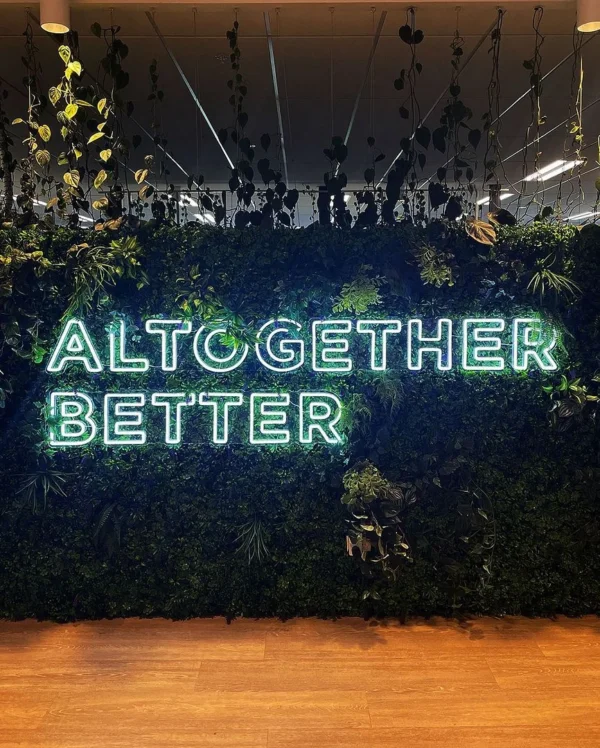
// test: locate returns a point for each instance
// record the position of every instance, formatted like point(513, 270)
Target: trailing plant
point(571, 401)
point(94, 269)
point(375, 532)
point(438, 268)
point(361, 293)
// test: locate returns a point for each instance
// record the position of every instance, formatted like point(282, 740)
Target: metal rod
point(367, 71)
point(188, 86)
point(276, 93)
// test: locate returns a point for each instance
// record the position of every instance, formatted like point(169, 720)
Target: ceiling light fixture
point(55, 16)
point(503, 196)
point(539, 172)
point(588, 15)
point(582, 216)
point(561, 169)
point(552, 170)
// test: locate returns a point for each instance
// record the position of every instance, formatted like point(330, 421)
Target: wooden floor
point(332, 684)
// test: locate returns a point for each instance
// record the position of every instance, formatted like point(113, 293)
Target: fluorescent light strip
point(561, 170)
point(548, 172)
point(540, 172)
point(581, 216)
point(503, 196)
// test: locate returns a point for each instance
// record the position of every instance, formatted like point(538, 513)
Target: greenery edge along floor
point(453, 492)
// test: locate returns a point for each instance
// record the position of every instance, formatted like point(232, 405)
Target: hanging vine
point(405, 166)
point(37, 134)
point(491, 119)
point(7, 166)
point(537, 119)
point(573, 142)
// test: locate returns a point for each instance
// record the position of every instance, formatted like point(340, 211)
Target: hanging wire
point(289, 139)
point(197, 123)
point(372, 92)
point(331, 93)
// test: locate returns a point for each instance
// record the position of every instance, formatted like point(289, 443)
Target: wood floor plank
point(327, 675)
point(488, 709)
point(452, 737)
point(240, 710)
point(115, 737)
point(156, 683)
point(547, 672)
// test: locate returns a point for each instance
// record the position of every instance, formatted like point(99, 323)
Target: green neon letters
point(482, 344)
point(326, 348)
point(74, 417)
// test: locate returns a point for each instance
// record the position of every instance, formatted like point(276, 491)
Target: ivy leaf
point(42, 157)
point(95, 136)
point(453, 209)
point(403, 111)
point(64, 53)
point(71, 111)
point(265, 141)
point(101, 105)
point(418, 37)
point(44, 133)
point(74, 67)
point(54, 95)
point(105, 154)
point(72, 178)
point(423, 136)
point(399, 84)
point(96, 29)
point(101, 204)
point(438, 194)
point(146, 191)
point(405, 33)
point(474, 137)
point(100, 179)
point(291, 199)
point(140, 175)
point(369, 176)
point(439, 138)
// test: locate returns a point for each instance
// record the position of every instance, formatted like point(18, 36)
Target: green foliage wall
point(499, 477)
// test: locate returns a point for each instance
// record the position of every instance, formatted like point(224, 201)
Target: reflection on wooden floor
point(334, 684)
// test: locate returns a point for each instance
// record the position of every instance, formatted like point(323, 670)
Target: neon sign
point(78, 417)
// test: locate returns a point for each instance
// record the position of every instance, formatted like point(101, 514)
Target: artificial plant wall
point(452, 491)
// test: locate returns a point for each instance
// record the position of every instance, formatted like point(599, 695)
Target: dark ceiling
point(319, 53)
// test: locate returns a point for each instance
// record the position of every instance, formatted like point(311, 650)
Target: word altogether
point(280, 348)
